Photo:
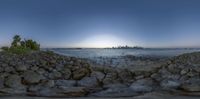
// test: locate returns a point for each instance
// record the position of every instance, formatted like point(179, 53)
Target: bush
point(20, 47)
point(16, 41)
point(19, 50)
point(5, 48)
point(33, 45)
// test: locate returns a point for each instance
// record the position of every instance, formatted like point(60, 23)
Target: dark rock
point(117, 85)
point(143, 85)
point(64, 92)
point(66, 73)
point(80, 73)
point(170, 84)
point(14, 81)
point(55, 75)
point(65, 83)
point(115, 92)
point(12, 91)
point(88, 82)
point(98, 75)
point(31, 77)
point(49, 83)
point(1, 82)
point(191, 87)
point(21, 68)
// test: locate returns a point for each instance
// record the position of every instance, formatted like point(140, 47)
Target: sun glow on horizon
point(101, 41)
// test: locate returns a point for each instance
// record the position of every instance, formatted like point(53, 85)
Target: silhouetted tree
point(16, 41)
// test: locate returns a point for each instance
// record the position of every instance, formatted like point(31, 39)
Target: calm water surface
point(90, 53)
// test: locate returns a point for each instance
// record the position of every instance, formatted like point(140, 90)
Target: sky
point(102, 23)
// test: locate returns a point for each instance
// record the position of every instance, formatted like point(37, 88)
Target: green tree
point(16, 41)
point(33, 45)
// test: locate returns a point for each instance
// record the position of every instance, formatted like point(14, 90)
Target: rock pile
point(53, 75)
point(42, 74)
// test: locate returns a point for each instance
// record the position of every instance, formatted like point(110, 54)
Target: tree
point(33, 45)
point(19, 46)
point(16, 41)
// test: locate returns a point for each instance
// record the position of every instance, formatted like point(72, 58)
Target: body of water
point(91, 53)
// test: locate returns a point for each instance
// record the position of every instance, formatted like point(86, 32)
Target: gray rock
point(117, 85)
point(46, 92)
point(184, 71)
point(65, 83)
point(63, 92)
point(170, 84)
point(41, 71)
point(80, 73)
point(34, 68)
point(9, 69)
point(173, 69)
point(88, 82)
point(139, 77)
point(13, 91)
point(20, 68)
point(34, 88)
point(14, 81)
point(66, 73)
point(115, 92)
point(98, 75)
point(55, 75)
point(156, 76)
point(143, 85)
point(31, 77)
point(50, 83)
point(191, 87)
point(72, 91)
point(110, 78)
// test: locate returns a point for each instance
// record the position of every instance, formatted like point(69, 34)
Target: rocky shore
point(48, 74)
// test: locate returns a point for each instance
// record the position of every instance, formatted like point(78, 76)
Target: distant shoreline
point(132, 48)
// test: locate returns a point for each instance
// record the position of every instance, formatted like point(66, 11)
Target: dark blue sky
point(102, 23)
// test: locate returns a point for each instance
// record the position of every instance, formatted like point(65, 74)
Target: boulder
point(72, 91)
point(116, 85)
point(66, 73)
point(9, 69)
point(98, 75)
point(184, 71)
point(55, 75)
point(65, 83)
point(34, 88)
point(88, 82)
point(170, 84)
point(143, 85)
point(62, 92)
point(1, 82)
point(20, 68)
point(191, 87)
point(49, 83)
point(13, 91)
point(115, 92)
point(14, 81)
point(80, 73)
point(31, 77)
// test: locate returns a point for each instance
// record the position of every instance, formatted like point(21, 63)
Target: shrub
point(33, 45)
point(20, 47)
point(5, 48)
point(19, 50)
point(16, 41)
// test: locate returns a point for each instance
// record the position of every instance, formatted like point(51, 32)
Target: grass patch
point(18, 50)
